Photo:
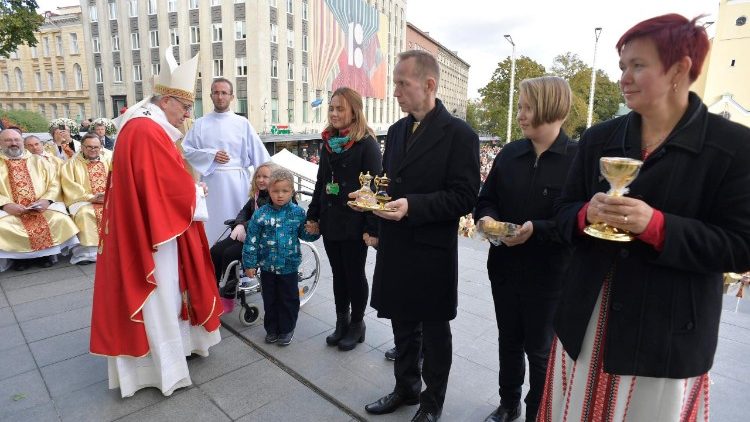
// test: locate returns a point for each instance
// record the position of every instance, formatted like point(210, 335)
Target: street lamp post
point(512, 81)
point(597, 32)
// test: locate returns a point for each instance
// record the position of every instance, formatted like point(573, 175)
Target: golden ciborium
point(619, 172)
point(369, 200)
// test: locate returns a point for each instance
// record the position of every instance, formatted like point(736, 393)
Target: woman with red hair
point(637, 324)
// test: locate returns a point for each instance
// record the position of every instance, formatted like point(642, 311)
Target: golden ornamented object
point(381, 186)
point(498, 228)
point(369, 200)
point(619, 172)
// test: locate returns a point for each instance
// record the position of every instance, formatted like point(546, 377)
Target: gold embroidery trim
point(174, 92)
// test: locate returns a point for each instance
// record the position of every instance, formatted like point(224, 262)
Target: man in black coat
point(432, 159)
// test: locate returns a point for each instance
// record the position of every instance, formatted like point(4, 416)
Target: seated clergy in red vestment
point(33, 224)
point(155, 296)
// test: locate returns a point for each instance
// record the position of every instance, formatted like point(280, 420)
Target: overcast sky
point(541, 29)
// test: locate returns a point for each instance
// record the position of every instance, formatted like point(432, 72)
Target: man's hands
point(18, 209)
point(523, 234)
point(238, 233)
point(98, 199)
point(14, 209)
point(401, 206)
point(250, 272)
point(370, 240)
point(221, 157)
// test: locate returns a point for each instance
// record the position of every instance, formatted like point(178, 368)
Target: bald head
point(11, 143)
point(33, 145)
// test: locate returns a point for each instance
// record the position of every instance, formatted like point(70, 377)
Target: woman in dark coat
point(525, 270)
point(349, 148)
point(637, 323)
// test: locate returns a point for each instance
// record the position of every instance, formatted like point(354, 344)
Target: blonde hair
point(425, 64)
point(548, 96)
point(254, 185)
point(359, 123)
point(280, 174)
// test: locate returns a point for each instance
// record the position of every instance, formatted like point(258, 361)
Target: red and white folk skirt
point(580, 390)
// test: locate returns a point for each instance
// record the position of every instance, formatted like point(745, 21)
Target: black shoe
point(355, 334)
point(285, 339)
point(389, 403)
point(271, 338)
point(424, 415)
point(84, 262)
point(46, 262)
point(20, 265)
point(391, 354)
point(342, 324)
point(503, 414)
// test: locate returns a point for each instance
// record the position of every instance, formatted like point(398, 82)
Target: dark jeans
point(347, 259)
point(280, 301)
point(524, 322)
point(409, 337)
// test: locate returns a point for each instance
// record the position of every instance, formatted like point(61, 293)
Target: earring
point(674, 87)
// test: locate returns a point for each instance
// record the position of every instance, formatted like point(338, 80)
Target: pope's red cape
point(149, 200)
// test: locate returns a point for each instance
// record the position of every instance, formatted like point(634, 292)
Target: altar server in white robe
point(221, 146)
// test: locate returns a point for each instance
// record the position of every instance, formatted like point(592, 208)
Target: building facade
point(723, 83)
point(454, 72)
point(284, 57)
point(50, 78)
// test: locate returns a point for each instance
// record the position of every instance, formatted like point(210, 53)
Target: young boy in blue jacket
point(272, 243)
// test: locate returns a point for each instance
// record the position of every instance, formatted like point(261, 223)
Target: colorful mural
point(350, 44)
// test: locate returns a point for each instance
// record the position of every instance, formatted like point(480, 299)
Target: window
point(115, 42)
point(274, 33)
point(42, 110)
point(133, 8)
point(305, 117)
point(22, 106)
point(117, 73)
point(78, 76)
point(14, 55)
point(63, 81)
point(45, 45)
point(112, 11)
point(135, 41)
point(218, 67)
point(155, 69)
point(198, 108)
point(92, 13)
point(290, 6)
point(34, 52)
point(73, 43)
point(95, 44)
point(6, 79)
point(153, 37)
point(66, 110)
point(58, 45)
point(81, 111)
point(274, 68)
point(304, 10)
point(193, 4)
point(304, 73)
point(100, 107)
point(54, 111)
point(241, 64)
point(290, 111)
point(216, 32)
point(239, 30)
point(172, 5)
point(98, 73)
point(242, 105)
point(151, 7)
point(304, 42)
point(195, 35)
point(274, 110)
point(19, 79)
point(137, 73)
point(50, 81)
point(174, 38)
point(215, 2)
point(38, 80)
point(290, 38)
point(290, 71)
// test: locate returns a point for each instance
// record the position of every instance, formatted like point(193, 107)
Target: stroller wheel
point(249, 315)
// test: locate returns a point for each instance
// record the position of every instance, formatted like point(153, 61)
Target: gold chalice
point(619, 172)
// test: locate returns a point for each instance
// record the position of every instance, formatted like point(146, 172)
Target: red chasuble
point(149, 201)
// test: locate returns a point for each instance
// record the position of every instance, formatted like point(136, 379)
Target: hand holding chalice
point(619, 172)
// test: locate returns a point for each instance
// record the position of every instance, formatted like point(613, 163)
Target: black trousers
point(410, 337)
point(524, 321)
point(347, 259)
point(280, 301)
point(224, 252)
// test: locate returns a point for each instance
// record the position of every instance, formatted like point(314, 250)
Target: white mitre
point(178, 82)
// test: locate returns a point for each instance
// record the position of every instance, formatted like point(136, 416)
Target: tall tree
point(495, 95)
point(475, 115)
point(18, 23)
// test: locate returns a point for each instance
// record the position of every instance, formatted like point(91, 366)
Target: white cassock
point(228, 184)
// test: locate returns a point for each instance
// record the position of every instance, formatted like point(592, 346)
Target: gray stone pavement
point(46, 373)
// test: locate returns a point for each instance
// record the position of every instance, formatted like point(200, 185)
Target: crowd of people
point(611, 330)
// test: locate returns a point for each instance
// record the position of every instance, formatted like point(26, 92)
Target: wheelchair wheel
point(249, 315)
point(309, 272)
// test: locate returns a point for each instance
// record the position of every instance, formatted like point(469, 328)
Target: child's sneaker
point(285, 339)
point(271, 338)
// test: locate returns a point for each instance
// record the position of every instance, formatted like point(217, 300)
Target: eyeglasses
point(188, 108)
point(92, 148)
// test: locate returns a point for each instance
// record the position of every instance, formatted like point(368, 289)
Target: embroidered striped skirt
point(580, 390)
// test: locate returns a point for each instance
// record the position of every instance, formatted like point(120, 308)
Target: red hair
point(675, 37)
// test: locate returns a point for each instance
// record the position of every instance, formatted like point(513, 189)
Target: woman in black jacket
point(637, 323)
point(349, 148)
point(525, 270)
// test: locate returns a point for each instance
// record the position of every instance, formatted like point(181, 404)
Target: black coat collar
point(560, 145)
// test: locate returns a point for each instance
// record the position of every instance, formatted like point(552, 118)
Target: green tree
point(27, 121)
point(495, 95)
point(18, 23)
point(475, 115)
